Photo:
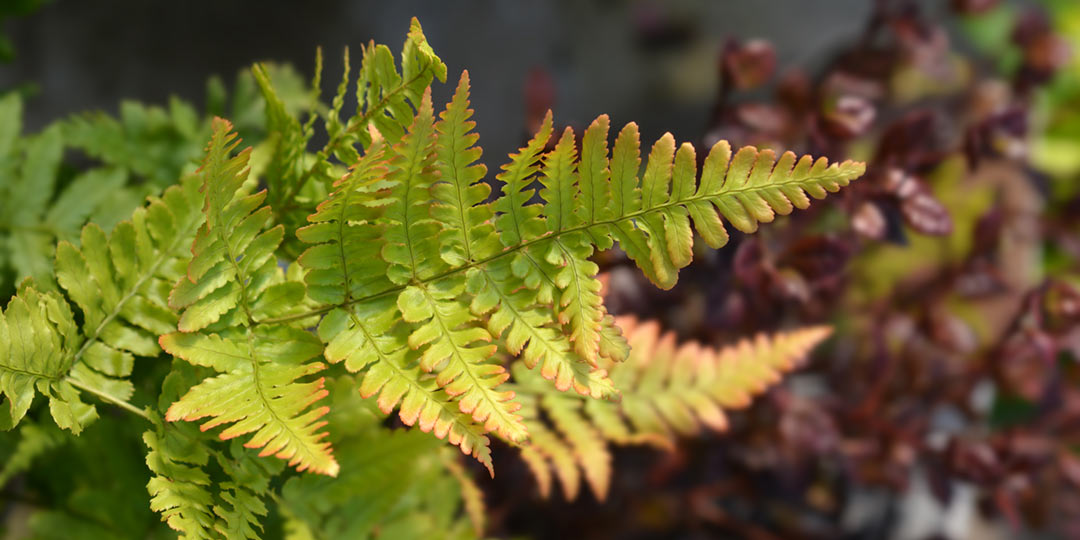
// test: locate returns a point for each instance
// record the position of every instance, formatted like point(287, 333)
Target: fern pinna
point(385, 252)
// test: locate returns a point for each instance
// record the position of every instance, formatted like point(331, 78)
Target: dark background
point(648, 61)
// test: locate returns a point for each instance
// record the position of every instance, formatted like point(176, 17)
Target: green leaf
point(258, 391)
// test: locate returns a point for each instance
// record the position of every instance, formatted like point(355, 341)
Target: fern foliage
point(390, 481)
point(669, 389)
point(155, 143)
point(289, 284)
point(408, 239)
point(41, 202)
point(119, 283)
point(232, 281)
point(443, 276)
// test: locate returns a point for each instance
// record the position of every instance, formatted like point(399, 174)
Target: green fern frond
point(412, 276)
point(385, 97)
point(232, 270)
point(119, 283)
point(462, 353)
point(653, 216)
point(180, 489)
point(411, 235)
point(517, 220)
point(344, 259)
point(240, 513)
point(384, 93)
point(527, 329)
point(345, 263)
point(41, 204)
point(443, 327)
point(667, 390)
point(472, 497)
point(418, 275)
point(258, 391)
point(195, 503)
point(38, 342)
point(200, 490)
point(288, 141)
point(412, 222)
point(459, 190)
point(155, 143)
point(386, 476)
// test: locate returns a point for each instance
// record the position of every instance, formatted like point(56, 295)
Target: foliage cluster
point(234, 314)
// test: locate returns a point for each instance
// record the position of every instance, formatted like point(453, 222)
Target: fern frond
point(386, 476)
point(472, 496)
point(579, 302)
point(594, 178)
point(459, 190)
point(411, 235)
point(344, 259)
point(231, 272)
point(288, 140)
point(240, 512)
point(38, 342)
point(26, 196)
point(413, 277)
point(392, 374)
point(667, 390)
point(528, 330)
point(586, 444)
point(384, 93)
point(548, 453)
point(258, 391)
point(156, 143)
point(518, 221)
point(653, 220)
point(344, 263)
point(191, 500)
point(442, 326)
point(34, 213)
point(385, 98)
point(412, 222)
point(200, 490)
point(180, 489)
point(119, 283)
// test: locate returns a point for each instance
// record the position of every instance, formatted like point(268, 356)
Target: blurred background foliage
point(946, 406)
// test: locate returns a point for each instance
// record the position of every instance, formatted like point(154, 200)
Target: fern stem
point(524, 245)
point(313, 313)
point(111, 399)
